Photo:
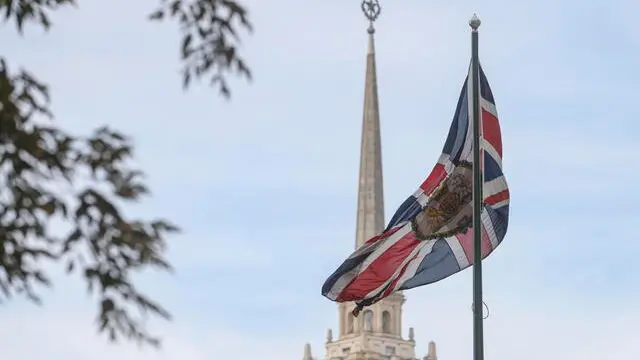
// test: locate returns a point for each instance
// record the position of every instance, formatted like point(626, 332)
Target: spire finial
point(371, 10)
point(431, 354)
point(307, 352)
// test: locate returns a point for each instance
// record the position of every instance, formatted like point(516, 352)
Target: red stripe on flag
point(491, 131)
point(496, 198)
point(379, 270)
point(438, 174)
point(486, 242)
point(385, 234)
point(394, 283)
point(466, 241)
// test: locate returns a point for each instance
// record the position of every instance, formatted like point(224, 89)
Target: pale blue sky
point(264, 185)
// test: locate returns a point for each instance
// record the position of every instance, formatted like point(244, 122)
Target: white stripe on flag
point(408, 258)
point(491, 108)
point(494, 186)
point(346, 278)
point(388, 242)
point(458, 251)
point(486, 146)
point(488, 226)
point(425, 249)
point(500, 204)
point(467, 151)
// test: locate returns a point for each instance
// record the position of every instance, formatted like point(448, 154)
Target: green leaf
point(156, 15)
point(186, 45)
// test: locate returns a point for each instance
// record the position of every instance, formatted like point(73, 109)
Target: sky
point(264, 185)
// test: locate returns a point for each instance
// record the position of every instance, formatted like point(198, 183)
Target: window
point(386, 322)
point(390, 350)
point(345, 351)
point(349, 324)
point(368, 320)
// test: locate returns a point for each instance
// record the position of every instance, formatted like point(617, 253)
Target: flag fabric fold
point(430, 237)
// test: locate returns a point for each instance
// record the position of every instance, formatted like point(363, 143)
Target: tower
point(377, 333)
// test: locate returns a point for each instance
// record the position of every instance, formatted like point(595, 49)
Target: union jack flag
point(430, 237)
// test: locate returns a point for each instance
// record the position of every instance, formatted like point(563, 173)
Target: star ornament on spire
point(371, 9)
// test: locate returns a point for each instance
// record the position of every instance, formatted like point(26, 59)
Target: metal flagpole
point(478, 336)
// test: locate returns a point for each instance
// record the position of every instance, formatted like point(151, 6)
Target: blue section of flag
point(407, 210)
point(491, 168)
point(437, 265)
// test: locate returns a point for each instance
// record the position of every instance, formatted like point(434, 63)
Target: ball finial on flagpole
point(475, 22)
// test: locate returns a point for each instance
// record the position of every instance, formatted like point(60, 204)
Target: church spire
point(377, 333)
point(370, 216)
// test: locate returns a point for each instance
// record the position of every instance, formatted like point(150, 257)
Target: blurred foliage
point(61, 194)
point(209, 38)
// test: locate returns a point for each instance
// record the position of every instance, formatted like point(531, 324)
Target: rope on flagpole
point(484, 304)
